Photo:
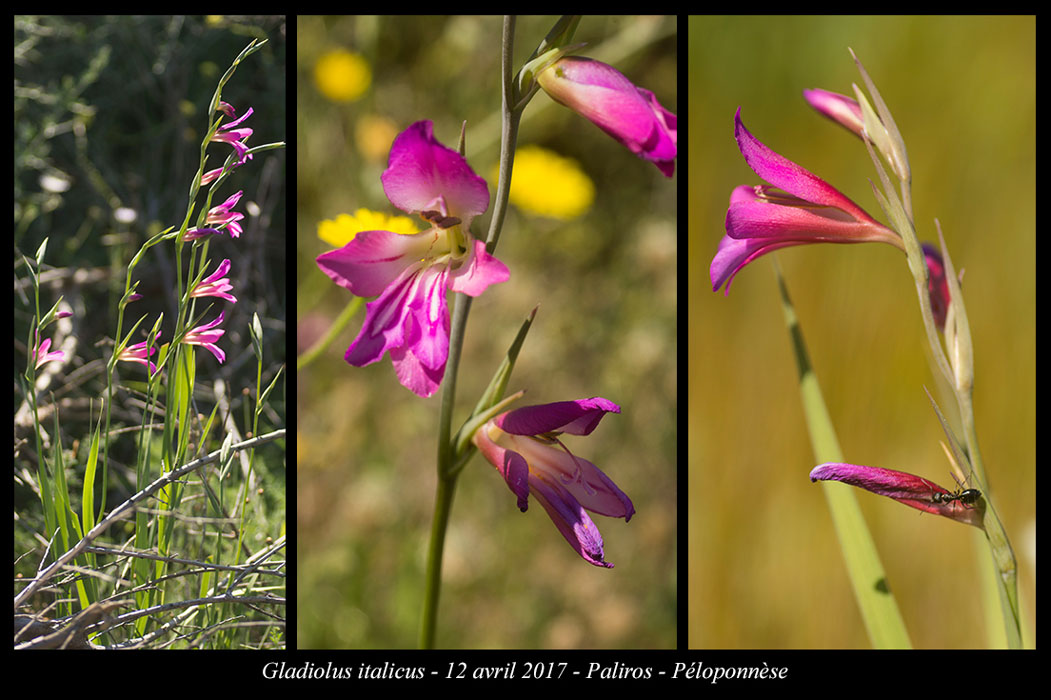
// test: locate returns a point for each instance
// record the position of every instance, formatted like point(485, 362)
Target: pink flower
point(206, 337)
point(805, 209)
point(193, 234)
point(215, 173)
point(223, 215)
point(234, 137)
point(138, 353)
point(524, 447)
point(629, 114)
point(43, 356)
point(215, 285)
point(962, 505)
point(411, 273)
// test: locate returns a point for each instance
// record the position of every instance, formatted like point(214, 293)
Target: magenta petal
point(374, 259)
point(631, 115)
point(385, 320)
point(571, 520)
point(588, 484)
point(215, 350)
point(421, 171)
point(575, 417)
point(511, 465)
point(780, 171)
point(841, 109)
point(414, 375)
point(734, 254)
point(760, 219)
point(428, 336)
point(410, 318)
point(474, 277)
point(516, 474)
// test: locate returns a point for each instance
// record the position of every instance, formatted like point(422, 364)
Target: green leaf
point(88, 498)
point(879, 610)
point(40, 253)
point(266, 392)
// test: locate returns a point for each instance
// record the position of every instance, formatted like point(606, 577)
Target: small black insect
point(967, 497)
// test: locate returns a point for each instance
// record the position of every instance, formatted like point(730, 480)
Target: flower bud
point(629, 114)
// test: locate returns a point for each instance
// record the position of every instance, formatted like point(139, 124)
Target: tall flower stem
point(446, 488)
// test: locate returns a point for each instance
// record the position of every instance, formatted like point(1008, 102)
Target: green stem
point(443, 502)
point(338, 325)
point(447, 474)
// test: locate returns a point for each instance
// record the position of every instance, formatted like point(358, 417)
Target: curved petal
point(474, 277)
point(780, 171)
point(374, 259)
point(423, 174)
point(413, 374)
point(213, 324)
point(588, 484)
point(571, 520)
point(410, 318)
point(761, 219)
point(215, 350)
point(841, 109)
point(576, 417)
point(511, 465)
point(734, 254)
point(220, 271)
point(384, 326)
point(427, 330)
point(603, 95)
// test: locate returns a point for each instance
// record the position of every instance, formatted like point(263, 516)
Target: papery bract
point(523, 446)
point(630, 114)
point(411, 273)
point(800, 208)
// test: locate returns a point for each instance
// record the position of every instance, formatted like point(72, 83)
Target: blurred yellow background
point(606, 287)
point(765, 570)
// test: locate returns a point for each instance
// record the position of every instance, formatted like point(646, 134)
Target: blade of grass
point(879, 609)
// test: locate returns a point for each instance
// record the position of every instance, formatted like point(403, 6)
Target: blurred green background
point(765, 569)
point(606, 286)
